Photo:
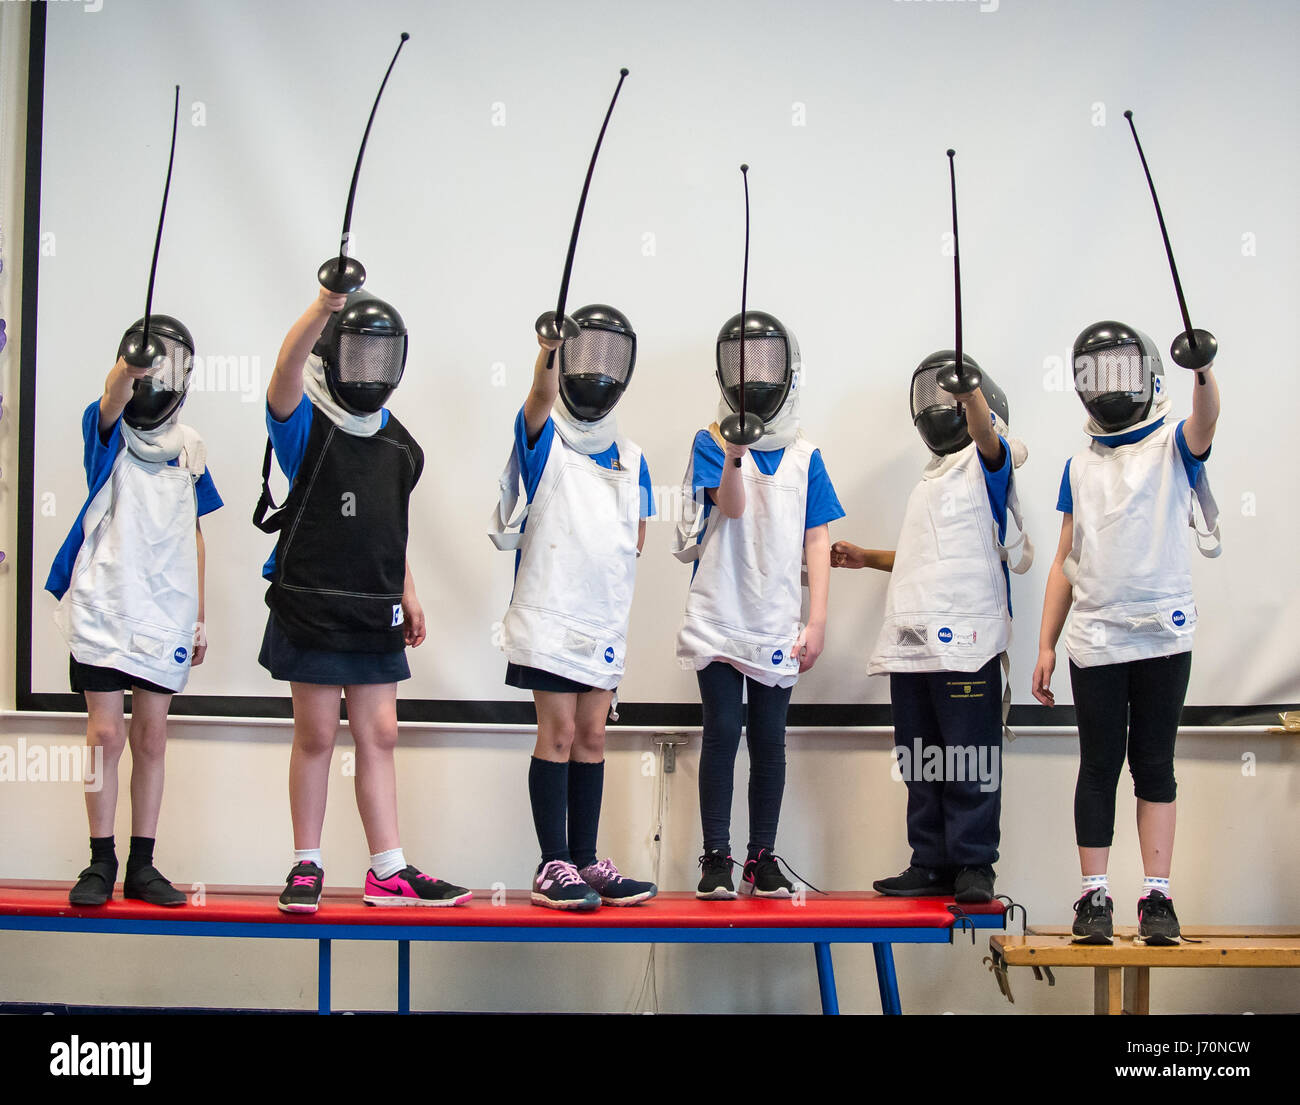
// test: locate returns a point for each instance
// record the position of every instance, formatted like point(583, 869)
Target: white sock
point(1093, 883)
point(308, 855)
point(386, 864)
point(1150, 883)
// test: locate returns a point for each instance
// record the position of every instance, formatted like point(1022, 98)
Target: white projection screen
point(843, 111)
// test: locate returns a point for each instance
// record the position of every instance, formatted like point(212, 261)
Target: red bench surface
point(343, 906)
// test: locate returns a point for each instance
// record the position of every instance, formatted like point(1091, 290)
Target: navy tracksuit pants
point(948, 741)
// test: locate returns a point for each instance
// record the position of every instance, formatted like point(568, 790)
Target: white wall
point(465, 816)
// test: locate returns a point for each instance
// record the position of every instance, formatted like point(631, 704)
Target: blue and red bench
point(508, 917)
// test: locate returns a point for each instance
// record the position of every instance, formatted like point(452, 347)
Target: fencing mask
point(159, 395)
point(1115, 373)
point(596, 365)
point(938, 417)
point(771, 360)
point(363, 350)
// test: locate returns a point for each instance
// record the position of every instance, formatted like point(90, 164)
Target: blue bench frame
point(881, 939)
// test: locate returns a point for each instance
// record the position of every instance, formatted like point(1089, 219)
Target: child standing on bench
point(343, 602)
point(1124, 565)
point(946, 630)
point(761, 512)
point(129, 579)
point(565, 634)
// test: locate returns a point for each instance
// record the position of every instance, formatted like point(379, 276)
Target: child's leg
point(1101, 704)
point(916, 728)
point(1159, 687)
point(372, 718)
point(721, 691)
point(148, 747)
point(587, 775)
point(765, 736)
point(548, 772)
point(969, 706)
point(105, 731)
point(315, 727)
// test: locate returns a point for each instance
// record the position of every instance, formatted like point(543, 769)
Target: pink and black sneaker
point(302, 889)
point(615, 888)
point(410, 886)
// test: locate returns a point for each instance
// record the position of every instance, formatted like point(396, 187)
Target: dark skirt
point(534, 679)
point(291, 663)
point(88, 677)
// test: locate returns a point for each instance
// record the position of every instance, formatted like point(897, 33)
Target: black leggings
point(1132, 707)
point(721, 688)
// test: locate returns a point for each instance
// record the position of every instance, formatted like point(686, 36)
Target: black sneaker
point(762, 877)
point(302, 888)
point(1157, 922)
point(715, 876)
point(974, 884)
point(559, 886)
point(916, 882)
point(614, 887)
point(94, 884)
point(1094, 919)
point(146, 884)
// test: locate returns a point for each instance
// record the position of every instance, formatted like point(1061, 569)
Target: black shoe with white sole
point(558, 885)
point(1094, 919)
point(302, 889)
point(1157, 922)
point(715, 876)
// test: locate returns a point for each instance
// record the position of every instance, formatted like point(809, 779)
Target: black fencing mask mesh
point(159, 395)
point(1116, 373)
point(936, 414)
point(363, 350)
point(596, 366)
point(771, 356)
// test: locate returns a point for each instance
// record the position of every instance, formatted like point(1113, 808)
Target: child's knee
point(1154, 782)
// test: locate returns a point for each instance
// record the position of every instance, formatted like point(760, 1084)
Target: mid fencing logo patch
point(397, 613)
point(609, 654)
point(1179, 619)
point(777, 657)
point(945, 635)
point(180, 655)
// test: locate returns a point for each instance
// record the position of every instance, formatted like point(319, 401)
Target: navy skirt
point(534, 679)
point(293, 664)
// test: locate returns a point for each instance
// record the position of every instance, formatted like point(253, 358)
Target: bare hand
point(413, 619)
point(331, 301)
point(812, 639)
point(549, 344)
point(131, 370)
point(732, 451)
point(1043, 677)
point(845, 554)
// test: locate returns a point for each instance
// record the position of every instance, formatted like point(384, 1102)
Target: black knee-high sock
point(586, 785)
point(548, 791)
point(141, 854)
point(102, 850)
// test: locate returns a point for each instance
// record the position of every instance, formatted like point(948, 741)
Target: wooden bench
point(509, 917)
point(1122, 971)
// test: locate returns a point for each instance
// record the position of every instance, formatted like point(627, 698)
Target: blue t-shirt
point(1192, 464)
point(532, 461)
point(289, 443)
point(997, 482)
point(100, 455)
point(822, 505)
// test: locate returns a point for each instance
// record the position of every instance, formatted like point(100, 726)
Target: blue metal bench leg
point(403, 976)
point(826, 978)
point(888, 980)
point(323, 978)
